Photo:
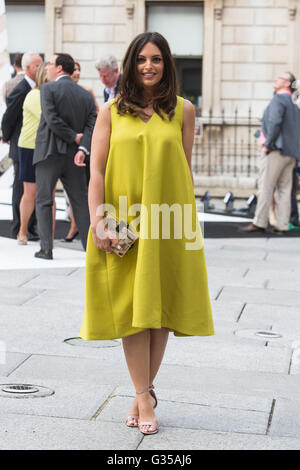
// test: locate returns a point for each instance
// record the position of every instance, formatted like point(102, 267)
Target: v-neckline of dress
point(146, 122)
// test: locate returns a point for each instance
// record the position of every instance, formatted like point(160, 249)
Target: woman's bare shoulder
point(189, 113)
point(188, 107)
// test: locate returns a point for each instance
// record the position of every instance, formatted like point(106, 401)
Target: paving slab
point(19, 296)
point(269, 274)
point(238, 254)
point(270, 313)
point(195, 416)
point(287, 282)
point(284, 244)
point(65, 284)
point(235, 355)
point(191, 439)
point(107, 369)
point(228, 381)
point(76, 401)
point(230, 311)
point(225, 276)
point(256, 242)
point(19, 432)
point(292, 258)
point(261, 296)
point(16, 278)
point(286, 418)
point(41, 328)
point(232, 401)
point(11, 362)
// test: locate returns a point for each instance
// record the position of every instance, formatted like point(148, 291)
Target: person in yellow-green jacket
point(26, 146)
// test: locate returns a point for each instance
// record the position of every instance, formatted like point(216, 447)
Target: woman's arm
point(98, 161)
point(188, 128)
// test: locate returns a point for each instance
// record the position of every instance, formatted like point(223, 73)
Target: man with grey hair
point(109, 75)
point(281, 150)
point(11, 127)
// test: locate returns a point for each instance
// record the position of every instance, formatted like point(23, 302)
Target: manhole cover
point(268, 334)
point(24, 391)
point(92, 343)
point(257, 334)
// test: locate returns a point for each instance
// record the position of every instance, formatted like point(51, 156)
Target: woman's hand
point(104, 239)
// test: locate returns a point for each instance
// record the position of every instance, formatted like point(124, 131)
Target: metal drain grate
point(20, 389)
point(24, 391)
point(92, 343)
point(268, 334)
point(255, 334)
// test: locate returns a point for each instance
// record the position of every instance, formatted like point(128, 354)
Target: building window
point(25, 27)
point(170, 18)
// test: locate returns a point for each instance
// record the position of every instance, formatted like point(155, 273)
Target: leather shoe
point(252, 228)
point(71, 238)
point(44, 254)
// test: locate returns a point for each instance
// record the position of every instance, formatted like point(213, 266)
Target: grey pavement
point(235, 390)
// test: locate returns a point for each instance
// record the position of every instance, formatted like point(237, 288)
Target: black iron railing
point(226, 145)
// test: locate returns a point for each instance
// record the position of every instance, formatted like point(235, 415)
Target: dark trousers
point(294, 206)
point(17, 193)
point(73, 179)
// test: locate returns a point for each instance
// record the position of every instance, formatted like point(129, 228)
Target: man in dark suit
point(11, 128)
point(109, 75)
point(62, 143)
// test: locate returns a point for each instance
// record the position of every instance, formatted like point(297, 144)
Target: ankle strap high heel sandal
point(148, 427)
point(150, 389)
point(153, 395)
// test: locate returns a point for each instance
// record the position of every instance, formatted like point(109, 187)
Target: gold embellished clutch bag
point(125, 235)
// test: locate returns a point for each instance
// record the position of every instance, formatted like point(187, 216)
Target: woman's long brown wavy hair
point(130, 97)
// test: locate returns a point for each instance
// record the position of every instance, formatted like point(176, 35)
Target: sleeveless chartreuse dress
point(162, 280)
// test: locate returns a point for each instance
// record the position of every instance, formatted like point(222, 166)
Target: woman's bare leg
point(73, 227)
point(158, 343)
point(137, 354)
point(27, 207)
point(144, 352)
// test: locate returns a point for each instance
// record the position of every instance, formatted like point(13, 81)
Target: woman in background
point(26, 146)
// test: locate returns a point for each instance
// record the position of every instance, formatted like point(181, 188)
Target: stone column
point(53, 11)
point(213, 10)
point(294, 37)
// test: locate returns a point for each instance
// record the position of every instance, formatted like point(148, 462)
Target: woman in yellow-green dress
point(141, 154)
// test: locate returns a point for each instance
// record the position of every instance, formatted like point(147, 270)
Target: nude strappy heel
point(152, 424)
point(132, 420)
point(152, 393)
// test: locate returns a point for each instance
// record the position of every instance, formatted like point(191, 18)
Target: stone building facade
point(246, 45)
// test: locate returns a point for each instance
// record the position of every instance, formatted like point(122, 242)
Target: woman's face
point(76, 74)
point(150, 65)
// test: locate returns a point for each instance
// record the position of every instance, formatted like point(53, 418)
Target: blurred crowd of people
point(48, 123)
